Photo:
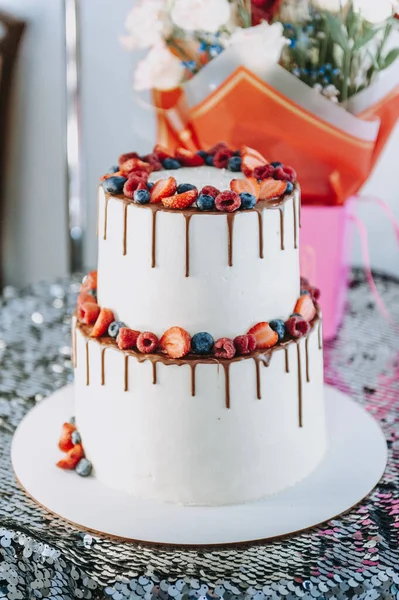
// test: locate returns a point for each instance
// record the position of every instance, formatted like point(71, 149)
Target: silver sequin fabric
point(41, 556)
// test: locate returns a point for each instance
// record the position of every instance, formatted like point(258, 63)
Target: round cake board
point(353, 465)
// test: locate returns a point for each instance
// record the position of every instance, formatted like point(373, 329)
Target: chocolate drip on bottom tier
point(226, 368)
point(103, 366)
point(299, 384)
point(258, 383)
point(287, 360)
point(193, 368)
point(154, 373)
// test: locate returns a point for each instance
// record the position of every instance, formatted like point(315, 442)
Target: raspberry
point(127, 338)
point(124, 157)
point(147, 342)
point(264, 172)
point(88, 313)
point(224, 348)
point(227, 201)
point(143, 175)
point(209, 190)
point(133, 184)
point(86, 297)
point(245, 344)
point(222, 157)
point(285, 174)
point(219, 146)
point(297, 326)
point(153, 160)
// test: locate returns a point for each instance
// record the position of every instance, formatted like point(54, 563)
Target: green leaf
point(390, 58)
point(365, 39)
point(352, 20)
point(337, 31)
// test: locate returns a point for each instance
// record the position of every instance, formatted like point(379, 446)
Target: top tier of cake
point(213, 270)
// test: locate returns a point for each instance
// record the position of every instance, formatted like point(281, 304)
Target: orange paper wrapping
point(332, 165)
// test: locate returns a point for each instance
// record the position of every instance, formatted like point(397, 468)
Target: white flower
point(375, 11)
point(330, 5)
point(201, 15)
point(160, 69)
point(260, 45)
point(147, 23)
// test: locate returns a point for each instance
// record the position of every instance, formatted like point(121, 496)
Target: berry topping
point(270, 188)
point(219, 146)
point(124, 157)
point(209, 190)
point(88, 313)
point(250, 185)
point(104, 320)
point(264, 335)
point(227, 201)
point(202, 153)
point(134, 164)
point(141, 196)
point(86, 297)
point(141, 175)
point(264, 172)
point(171, 163)
point(153, 160)
point(176, 342)
point(72, 458)
point(84, 467)
point(279, 327)
point(132, 184)
point(127, 338)
point(114, 328)
point(209, 160)
point(276, 163)
point(114, 185)
point(285, 174)
point(90, 281)
point(290, 187)
point(205, 202)
point(221, 158)
point(234, 164)
point(181, 201)
point(245, 344)
point(162, 152)
point(305, 307)
point(189, 159)
point(65, 444)
point(185, 187)
point(224, 348)
point(147, 342)
point(297, 326)
point(113, 169)
point(202, 343)
point(76, 439)
point(162, 189)
point(250, 160)
point(248, 201)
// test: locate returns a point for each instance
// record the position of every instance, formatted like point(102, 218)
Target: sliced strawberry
point(134, 164)
point(271, 188)
point(305, 307)
point(249, 184)
point(264, 335)
point(90, 281)
point(176, 342)
point(104, 320)
point(65, 444)
point(163, 189)
point(189, 159)
point(127, 338)
point(88, 313)
point(86, 297)
point(108, 175)
point(72, 458)
point(248, 151)
point(181, 201)
point(250, 160)
point(124, 157)
point(162, 152)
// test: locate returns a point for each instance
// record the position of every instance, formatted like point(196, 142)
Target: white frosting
point(199, 176)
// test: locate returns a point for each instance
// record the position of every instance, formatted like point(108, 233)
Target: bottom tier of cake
point(201, 433)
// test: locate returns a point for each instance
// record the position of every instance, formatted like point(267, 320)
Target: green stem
point(387, 33)
point(346, 74)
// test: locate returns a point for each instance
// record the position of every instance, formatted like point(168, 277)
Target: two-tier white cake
point(221, 418)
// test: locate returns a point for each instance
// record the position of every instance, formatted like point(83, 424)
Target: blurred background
point(35, 199)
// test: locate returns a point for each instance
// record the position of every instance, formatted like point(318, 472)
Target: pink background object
point(326, 234)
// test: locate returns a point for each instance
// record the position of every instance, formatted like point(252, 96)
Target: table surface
point(42, 556)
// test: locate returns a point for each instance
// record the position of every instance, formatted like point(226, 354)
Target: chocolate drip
point(260, 221)
point(193, 368)
point(154, 373)
point(187, 219)
point(125, 205)
point(287, 360)
point(230, 230)
point(226, 367)
point(307, 359)
point(295, 222)
point(282, 219)
point(299, 384)
point(258, 384)
point(106, 216)
point(87, 364)
point(103, 366)
point(320, 336)
point(154, 238)
point(126, 386)
point(74, 356)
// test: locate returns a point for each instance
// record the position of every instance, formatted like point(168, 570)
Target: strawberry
point(134, 164)
point(89, 282)
point(65, 444)
point(86, 297)
point(127, 338)
point(264, 335)
point(104, 320)
point(270, 188)
point(249, 184)
point(88, 313)
point(162, 152)
point(163, 189)
point(189, 159)
point(248, 151)
point(124, 157)
point(181, 201)
point(176, 342)
point(250, 160)
point(305, 307)
point(72, 458)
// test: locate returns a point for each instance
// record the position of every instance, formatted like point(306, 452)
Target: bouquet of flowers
point(313, 83)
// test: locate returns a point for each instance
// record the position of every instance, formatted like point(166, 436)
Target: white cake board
point(354, 463)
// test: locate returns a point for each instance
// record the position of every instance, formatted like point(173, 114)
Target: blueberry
point(202, 154)
point(171, 163)
point(209, 161)
point(185, 187)
point(276, 164)
point(141, 196)
point(114, 328)
point(72, 420)
point(202, 343)
point(114, 185)
point(93, 293)
point(150, 185)
point(84, 467)
point(113, 169)
point(248, 201)
point(279, 327)
point(290, 187)
point(75, 437)
point(234, 163)
point(305, 292)
point(237, 153)
point(205, 202)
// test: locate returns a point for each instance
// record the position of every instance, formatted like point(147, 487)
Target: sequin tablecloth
point(41, 556)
